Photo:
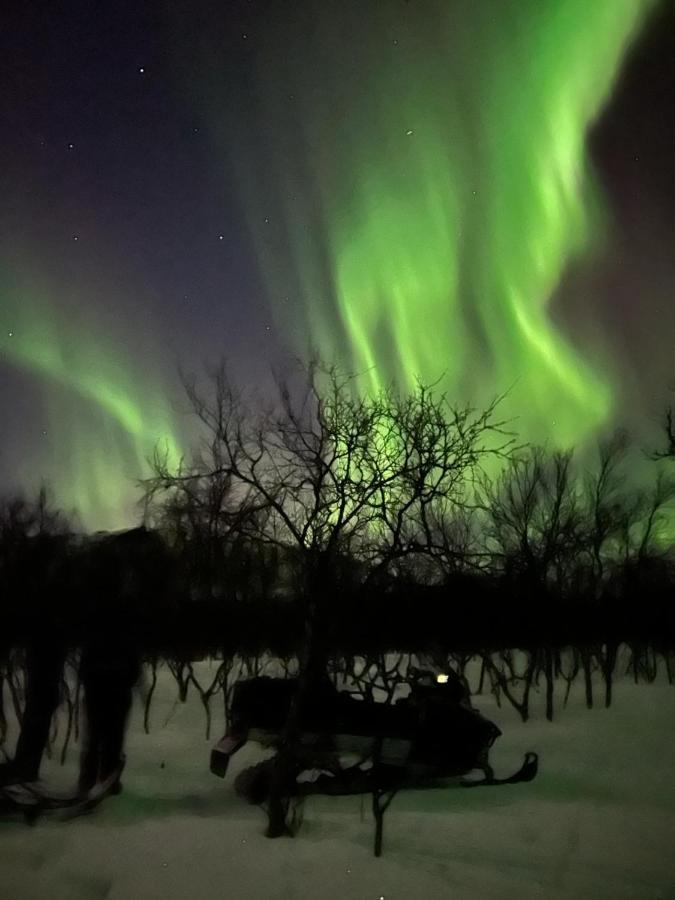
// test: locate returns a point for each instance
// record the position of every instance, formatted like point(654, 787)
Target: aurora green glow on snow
point(420, 186)
point(103, 414)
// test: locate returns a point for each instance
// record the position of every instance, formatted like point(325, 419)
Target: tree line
point(393, 517)
point(329, 520)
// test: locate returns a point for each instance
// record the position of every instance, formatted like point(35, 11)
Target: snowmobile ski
point(356, 781)
point(253, 783)
point(527, 772)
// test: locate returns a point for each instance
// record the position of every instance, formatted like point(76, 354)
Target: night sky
point(480, 191)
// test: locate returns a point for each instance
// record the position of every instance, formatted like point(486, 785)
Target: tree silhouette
point(669, 432)
point(327, 473)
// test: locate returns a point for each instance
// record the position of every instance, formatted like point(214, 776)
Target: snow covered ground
point(598, 822)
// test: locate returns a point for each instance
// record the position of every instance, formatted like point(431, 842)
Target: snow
point(598, 822)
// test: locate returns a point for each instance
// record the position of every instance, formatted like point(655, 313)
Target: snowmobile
point(348, 745)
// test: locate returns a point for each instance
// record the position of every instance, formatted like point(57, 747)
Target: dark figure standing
point(130, 571)
point(108, 676)
point(125, 569)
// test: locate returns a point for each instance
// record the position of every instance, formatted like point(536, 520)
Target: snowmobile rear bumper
point(221, 753)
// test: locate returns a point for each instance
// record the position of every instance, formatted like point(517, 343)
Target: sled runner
point(31, 801)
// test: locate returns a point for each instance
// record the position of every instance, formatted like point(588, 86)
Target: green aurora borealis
point(425, 190)
point(414, 184)
point(103, 414)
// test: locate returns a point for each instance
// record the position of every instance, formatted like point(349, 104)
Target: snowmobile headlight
point(441, 679)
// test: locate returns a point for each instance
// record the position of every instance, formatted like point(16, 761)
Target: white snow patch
point(598, 822)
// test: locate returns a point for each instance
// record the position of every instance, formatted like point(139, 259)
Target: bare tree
point(534, 517)
point(329, 474)
point(534, 528)
point(669, 433)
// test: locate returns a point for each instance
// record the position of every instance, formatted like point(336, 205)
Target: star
point(76, 237)
point(221, 237)
point(141, 70)
point(10, 334)
point(71, 146)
